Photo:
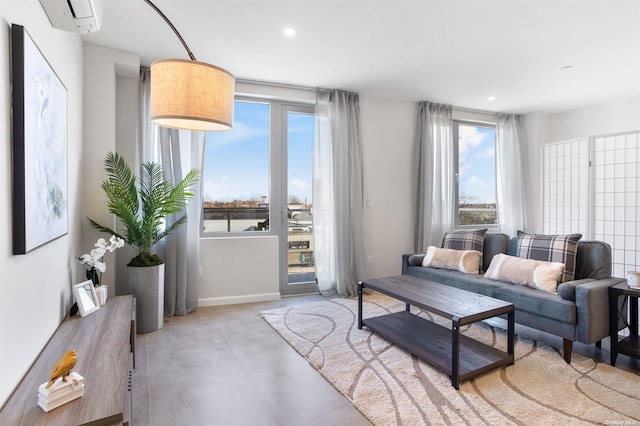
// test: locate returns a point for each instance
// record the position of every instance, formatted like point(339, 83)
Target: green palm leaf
point(142, 208)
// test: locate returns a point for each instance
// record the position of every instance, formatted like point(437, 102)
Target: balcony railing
point(299, 233)
point(477, 216)
point(246, 215)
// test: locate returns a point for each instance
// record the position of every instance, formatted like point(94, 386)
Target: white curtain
point(181, 151)
point(147, 148)
point(435, 209)
point(178, 151)
point(511, 173)
point(338, 193)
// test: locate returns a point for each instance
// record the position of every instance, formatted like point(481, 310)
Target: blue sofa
point(578, 312)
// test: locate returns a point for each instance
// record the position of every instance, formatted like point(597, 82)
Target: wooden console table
point(105, 341)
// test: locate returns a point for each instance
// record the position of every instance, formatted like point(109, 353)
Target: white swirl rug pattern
point(389, 386)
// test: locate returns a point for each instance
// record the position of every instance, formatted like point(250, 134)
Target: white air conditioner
point(78, 16)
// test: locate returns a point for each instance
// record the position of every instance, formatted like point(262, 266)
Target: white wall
point(110, 85)
point(537, 131)
point(127, 116)
point(35, 289)
point(238, 270)
point(618, 116)
point(388, 139)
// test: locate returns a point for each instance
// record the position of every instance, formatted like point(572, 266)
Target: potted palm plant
point(142, 208)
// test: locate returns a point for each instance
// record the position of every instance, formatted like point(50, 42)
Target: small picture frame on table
point(85, 295)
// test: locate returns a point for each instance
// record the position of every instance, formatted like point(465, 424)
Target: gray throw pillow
point(463, 239)
point(550, 248)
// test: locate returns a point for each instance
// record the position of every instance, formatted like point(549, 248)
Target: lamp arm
point(184, 43)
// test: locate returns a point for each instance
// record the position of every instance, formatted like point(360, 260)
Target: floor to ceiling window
point(257, 181)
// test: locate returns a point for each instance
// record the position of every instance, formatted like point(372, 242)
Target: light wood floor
point(226, 366)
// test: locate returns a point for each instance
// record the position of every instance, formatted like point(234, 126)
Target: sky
point(237, 162)
point(476, 153)
point(237, 166)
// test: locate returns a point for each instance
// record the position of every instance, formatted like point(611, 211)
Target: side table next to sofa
point(628, 345)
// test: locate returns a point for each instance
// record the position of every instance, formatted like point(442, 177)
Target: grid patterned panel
point(565, 183)
point(617, 198)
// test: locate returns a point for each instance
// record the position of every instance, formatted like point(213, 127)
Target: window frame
point(277, 186)
point(204, 234)
point(457, 122)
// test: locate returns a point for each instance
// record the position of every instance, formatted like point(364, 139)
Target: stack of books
point(61, 392)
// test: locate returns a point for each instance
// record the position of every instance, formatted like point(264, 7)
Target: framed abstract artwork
point(40, 195)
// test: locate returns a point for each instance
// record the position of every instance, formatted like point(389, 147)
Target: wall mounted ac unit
point(78, 16)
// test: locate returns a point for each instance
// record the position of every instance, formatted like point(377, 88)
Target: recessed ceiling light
point(289, 32)
point(491, 98)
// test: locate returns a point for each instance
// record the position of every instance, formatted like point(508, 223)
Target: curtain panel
point(181, 151)
point(434, 153)
point(177, 151)
point(512, 172)
point(338, 193)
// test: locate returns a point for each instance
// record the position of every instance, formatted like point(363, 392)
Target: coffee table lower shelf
point(432, 343)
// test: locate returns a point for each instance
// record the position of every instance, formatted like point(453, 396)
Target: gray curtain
point(338, 193)
point(178, 151)
point(512, 172)
point(147, 148)
point(181, 151)
point(434, 154)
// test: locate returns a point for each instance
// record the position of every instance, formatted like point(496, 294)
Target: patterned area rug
point(389, 386)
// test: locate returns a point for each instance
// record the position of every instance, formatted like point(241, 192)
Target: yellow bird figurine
point(62, 367)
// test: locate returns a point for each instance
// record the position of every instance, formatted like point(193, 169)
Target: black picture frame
point(40, 176)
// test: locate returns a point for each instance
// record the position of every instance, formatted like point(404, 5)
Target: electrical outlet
point(201, 270)
point(369, 260)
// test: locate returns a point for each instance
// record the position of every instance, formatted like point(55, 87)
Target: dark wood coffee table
point(447, 350)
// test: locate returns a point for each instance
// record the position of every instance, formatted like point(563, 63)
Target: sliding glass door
point(297, 256)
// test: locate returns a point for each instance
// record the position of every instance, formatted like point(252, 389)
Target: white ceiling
point(448, 51)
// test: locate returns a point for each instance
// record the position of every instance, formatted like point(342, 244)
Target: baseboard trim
point(233, 300)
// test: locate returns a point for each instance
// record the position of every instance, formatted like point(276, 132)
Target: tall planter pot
point(147, 285)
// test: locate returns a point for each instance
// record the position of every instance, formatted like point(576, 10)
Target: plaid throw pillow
point(550, 248)
point(472, 239)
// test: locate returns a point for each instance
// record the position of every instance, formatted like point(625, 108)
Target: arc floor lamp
point(188, 94)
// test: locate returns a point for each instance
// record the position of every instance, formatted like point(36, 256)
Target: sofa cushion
point(493, 244)
point(524, 298)
point(533, 273)
point(593, 260)
point(550, 248)
point(472, 239)
point(467, 261)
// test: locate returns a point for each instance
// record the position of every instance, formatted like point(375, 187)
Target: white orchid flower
point(93, 259)
point(97, 253)
point(115, 243)
point(102, 243)
point(100, 266)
